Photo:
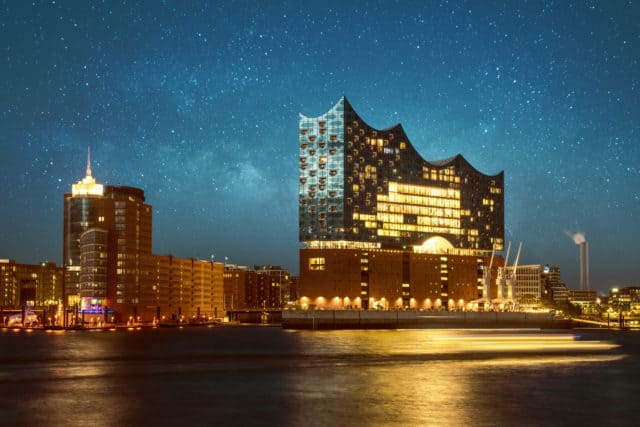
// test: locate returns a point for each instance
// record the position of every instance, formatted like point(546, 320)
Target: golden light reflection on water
point(444, 377)
point(520, 342)
point(442, 342)
point(549, 360)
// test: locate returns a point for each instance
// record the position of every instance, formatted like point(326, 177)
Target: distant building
point(9, 290)
point(278, 286)
point(554, 290)
point(625, 299)
point(586, 299)
point(236, 281)
point(528, 286)
point(266, 286)
point(33, 285)
point(365, 192)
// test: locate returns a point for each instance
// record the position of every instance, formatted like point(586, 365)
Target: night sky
point(197, 103)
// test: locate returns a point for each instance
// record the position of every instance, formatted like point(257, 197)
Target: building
point(110, 228)
point(625, 300)
point(386, 279)
point(585, 299)
point(365, 192)
point(109, 268)
point(554, 290)
point(266, 286)
point(183, 288)
point(31, 285)
point(237, 278)
point(9, 291)
point(528, 286)
point(277, 290)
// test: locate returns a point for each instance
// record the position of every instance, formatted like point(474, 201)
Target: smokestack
point(580, 239)
point(584, 266)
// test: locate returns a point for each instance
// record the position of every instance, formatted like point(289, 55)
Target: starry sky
point(197, 103)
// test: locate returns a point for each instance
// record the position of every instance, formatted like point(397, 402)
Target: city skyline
point(198, 104)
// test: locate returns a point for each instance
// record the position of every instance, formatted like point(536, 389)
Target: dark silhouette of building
point(266, 286)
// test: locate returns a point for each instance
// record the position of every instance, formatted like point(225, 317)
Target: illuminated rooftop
point(87, 186)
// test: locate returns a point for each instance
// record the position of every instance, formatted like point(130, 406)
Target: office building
point(528, 286)
point(109, 227)
point(366, 193)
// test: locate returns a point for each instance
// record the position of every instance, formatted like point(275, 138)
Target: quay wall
point(399, 319)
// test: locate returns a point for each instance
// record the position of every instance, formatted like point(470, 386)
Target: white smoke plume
point(577, 237)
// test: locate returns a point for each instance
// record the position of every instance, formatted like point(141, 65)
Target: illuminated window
point(317, 263)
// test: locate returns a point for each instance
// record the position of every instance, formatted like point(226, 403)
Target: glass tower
point(362, 187)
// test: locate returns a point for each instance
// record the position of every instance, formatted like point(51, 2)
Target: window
point(317, 264)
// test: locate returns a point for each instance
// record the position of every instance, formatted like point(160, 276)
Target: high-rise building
point(84, 208)
point(109, 228)
point(367, 194)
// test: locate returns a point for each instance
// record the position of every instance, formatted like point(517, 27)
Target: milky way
point(197, 103)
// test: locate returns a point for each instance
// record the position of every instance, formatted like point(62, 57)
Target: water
point(268, 376)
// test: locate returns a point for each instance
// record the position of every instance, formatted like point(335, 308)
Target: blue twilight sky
point(197, 103)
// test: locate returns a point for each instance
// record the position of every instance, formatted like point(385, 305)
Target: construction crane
point(500, 283)
point(511, 280)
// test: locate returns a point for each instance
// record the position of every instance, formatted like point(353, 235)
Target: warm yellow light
point(87, 186)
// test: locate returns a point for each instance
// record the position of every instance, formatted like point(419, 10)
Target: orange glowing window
point(317, 264)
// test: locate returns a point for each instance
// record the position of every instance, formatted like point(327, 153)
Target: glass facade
point(322, 175)
point(364, 187)
point(94, 265)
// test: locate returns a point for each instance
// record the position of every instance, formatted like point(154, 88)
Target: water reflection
point(447, 342)
point(267, 376)
point(60, 377)
point(443, 377)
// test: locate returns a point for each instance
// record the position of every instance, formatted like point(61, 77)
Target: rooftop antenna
point(89, 160)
